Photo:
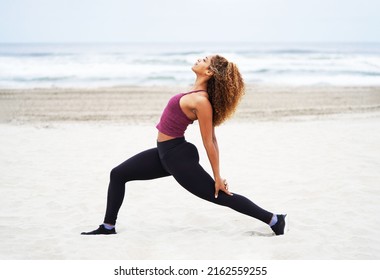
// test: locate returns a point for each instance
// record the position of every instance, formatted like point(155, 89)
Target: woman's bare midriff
point(161, 137)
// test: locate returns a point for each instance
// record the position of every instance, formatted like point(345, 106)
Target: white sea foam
point(88, 65)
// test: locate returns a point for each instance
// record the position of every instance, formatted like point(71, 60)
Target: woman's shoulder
point(202, 103)
point(201, 98)
point(196, 100)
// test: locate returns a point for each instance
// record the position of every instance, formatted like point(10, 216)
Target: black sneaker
point(280, 227)
point(100, 230)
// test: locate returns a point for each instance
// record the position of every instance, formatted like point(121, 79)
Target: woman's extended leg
point(185, 168)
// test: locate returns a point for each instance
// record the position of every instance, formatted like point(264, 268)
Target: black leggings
point(181, 160)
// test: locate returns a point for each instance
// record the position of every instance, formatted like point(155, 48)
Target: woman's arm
point(203, 111)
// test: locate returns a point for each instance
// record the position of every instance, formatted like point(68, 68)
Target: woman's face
point(202, 66)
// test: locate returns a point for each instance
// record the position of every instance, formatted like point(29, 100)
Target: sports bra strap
point(195, 91)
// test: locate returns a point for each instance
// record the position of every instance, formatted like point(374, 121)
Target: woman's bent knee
point(116, 174)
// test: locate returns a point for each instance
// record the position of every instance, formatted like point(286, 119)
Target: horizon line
point(193, 42)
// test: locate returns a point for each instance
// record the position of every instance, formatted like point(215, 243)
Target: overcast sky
point(192, 20)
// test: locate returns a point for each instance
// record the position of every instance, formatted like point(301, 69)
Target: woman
point(214, 98)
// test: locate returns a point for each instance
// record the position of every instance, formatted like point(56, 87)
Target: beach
point(143, 105)
point(309, 151)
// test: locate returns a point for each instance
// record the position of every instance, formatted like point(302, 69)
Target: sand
point(310, 152)
point(143, 105)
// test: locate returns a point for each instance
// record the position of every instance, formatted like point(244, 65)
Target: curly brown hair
point(225, 88)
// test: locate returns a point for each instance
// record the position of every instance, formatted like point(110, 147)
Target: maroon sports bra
point(173, 120)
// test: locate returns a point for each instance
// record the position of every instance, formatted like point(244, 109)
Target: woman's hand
point(221, 185)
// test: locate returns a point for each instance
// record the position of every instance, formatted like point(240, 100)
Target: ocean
point(150, 64)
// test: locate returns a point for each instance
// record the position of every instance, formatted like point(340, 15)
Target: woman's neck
point(200, 84)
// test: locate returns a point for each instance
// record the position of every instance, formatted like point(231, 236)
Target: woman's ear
point(209, 73)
